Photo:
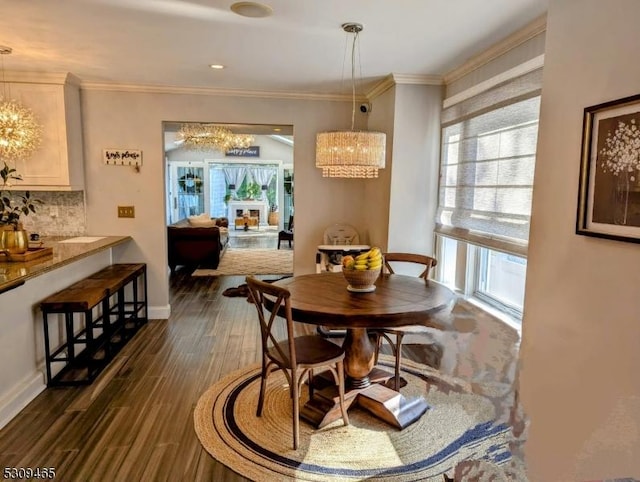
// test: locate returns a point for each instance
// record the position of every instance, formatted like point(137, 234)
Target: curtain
point(263, 176)
point(234, 177)
point(217, 191)
point(487, 164)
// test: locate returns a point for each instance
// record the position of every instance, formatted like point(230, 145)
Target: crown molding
point(417, 79)
point(58, 78)
point(402, 79)
point(168, 89)
point(529, 31)
point(381, 87)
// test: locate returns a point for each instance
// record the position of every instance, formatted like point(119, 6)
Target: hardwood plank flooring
point(135, 422)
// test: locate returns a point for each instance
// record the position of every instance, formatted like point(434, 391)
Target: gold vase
point(14, 241)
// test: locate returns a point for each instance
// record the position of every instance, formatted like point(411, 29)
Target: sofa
point(195, 243)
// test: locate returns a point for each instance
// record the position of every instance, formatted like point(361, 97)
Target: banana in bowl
point(362, 271)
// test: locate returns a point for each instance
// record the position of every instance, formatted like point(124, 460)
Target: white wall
point(134, 121)
point(414, 175)
point(378, 191)
point(580, 351)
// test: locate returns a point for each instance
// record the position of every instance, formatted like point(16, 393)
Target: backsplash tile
point(60, 214)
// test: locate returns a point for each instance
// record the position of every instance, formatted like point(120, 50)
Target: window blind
point(487, 165)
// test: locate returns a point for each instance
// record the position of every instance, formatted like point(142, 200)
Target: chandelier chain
point(3, 52)
point(353, 80)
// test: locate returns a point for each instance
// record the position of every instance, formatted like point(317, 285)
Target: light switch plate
point(126, 212)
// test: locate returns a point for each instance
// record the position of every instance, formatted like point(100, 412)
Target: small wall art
point(122, 157)
point(609, 188)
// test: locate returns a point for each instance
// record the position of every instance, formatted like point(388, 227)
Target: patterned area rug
point(251, 261)
point(459, 427)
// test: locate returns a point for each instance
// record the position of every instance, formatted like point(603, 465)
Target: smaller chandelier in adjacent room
point(211, 136)
point(356, 154)
point(19, 130)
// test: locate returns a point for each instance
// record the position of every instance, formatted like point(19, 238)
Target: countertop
point(14, 274)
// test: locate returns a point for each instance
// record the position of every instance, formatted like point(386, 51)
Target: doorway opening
point(249, 189)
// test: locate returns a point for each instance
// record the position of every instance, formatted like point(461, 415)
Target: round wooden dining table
point(398, 300)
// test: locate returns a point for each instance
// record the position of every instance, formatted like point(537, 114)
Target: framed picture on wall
point(609, 188)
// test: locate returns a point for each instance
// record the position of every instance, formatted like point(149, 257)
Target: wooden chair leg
point(343, 408)
point(310, 383)
point(398, 351)
point(296, 411)
point(263, 386)
point(378, 345)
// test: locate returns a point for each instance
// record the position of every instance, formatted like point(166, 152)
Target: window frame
point(470, 243)
point(467, 280)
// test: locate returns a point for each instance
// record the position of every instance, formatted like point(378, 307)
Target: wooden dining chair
point(395, 335)
point(296, 356)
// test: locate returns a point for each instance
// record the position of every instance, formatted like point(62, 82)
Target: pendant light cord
point(353, 80)
point(4, 51)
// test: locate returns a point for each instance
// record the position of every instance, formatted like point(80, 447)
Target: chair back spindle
point(268, 326)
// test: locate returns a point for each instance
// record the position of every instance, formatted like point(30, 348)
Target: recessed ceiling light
point(251, 9)
point(217, 66)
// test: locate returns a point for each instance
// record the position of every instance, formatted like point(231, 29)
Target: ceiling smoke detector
point(251, 9)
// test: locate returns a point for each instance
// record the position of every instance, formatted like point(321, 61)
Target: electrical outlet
point(126, 212)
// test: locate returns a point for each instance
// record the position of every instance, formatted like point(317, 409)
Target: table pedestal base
point(383, 402)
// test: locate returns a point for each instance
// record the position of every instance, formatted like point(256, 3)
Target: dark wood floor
point(134, 423)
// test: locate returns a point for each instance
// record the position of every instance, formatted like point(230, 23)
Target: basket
point(361, 280)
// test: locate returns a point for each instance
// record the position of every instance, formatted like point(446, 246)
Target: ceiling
point(301, 48)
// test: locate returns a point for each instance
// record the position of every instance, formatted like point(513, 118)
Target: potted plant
point(13, 237)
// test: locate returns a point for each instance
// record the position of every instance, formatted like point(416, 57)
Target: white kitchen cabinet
point(57, 165)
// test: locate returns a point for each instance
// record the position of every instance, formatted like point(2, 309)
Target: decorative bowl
point(361, 281)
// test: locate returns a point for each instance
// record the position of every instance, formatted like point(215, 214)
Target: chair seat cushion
point(310, 350)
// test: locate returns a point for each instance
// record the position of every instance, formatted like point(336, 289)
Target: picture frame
point(609, 185)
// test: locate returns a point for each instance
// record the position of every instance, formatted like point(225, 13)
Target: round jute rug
point(458, 426)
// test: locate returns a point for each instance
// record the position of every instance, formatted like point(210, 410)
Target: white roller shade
point(487, 165)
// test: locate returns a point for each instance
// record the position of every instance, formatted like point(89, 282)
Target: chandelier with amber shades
point(212, 136)
point(351, 154)
point(19, 131)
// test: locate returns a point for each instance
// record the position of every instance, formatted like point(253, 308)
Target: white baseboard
point(159, 312)
point(20, 396)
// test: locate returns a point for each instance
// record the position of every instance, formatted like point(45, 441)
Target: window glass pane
point(448, 255)
point(502, 277)
point(217, 190)
point(190, 191)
